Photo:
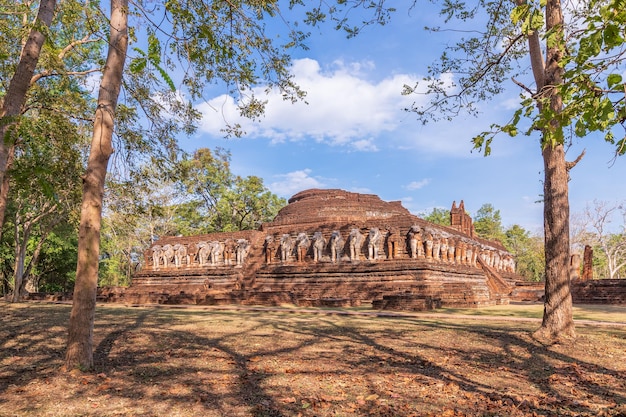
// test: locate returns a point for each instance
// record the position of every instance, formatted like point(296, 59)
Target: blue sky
point(354, 135)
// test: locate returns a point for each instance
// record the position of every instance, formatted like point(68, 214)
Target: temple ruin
point(331, 248)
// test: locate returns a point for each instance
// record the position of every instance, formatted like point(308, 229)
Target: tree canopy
point(488, 223)
point(438, 216)
point(572, 88)
point(198, 195)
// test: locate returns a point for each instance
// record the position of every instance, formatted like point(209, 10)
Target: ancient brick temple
point(331, 248)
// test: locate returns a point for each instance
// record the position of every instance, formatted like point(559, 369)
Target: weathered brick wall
point(455, 282)
point(599, 291)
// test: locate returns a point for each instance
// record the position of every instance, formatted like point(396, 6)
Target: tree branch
point(50, 73)
point(523, 86)
point(570, 165)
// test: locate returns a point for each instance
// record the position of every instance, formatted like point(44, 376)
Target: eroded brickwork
point(330, 247)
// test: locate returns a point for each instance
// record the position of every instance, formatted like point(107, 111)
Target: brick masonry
point(418, 265)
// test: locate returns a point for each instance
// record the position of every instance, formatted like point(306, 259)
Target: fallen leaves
point(189, 364)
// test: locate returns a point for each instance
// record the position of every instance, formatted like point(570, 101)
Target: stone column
point(587, 263)
point(574, 267)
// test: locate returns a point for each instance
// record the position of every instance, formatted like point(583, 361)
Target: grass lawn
point(210, 362)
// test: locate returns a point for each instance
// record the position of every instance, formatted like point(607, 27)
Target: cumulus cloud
point(343, 107)
point(294, 182)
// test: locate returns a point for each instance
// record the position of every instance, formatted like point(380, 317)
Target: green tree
point(42, 75)
point(137, 211)
point(45, 192)
point(578, 84)
point(56, 269)
point(227, 202)
point(13, 96)
point(488, 223)
point(42, 184)
point(437, 216)
point(528, 252)
point(215, 42)
point(251, 203)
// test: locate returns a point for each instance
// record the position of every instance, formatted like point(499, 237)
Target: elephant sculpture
point(436, 247)
point(415, 242)
point(203, 252)
point(241, 250)
point(229, 249)
point(318, 246)
point(286, 246)
point(469, 254)
point(180, 254)
point(215, 251)
point(356, 242)
point(451, 249)
point(393, 240)
point(156, 256)
point(372, 243)
point(336, 246)
point(302, 244)
point(428, 243)
point(167, 255)
point(269, 247)
point(444, 249)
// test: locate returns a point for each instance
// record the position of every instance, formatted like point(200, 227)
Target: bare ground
point(189, 362)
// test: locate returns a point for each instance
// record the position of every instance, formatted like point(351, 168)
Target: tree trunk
point(558, 321)
point(30, 283)
point(80, 339)
point(16, 93)
point(4, 187)
point(557, 315)
point(20, 256)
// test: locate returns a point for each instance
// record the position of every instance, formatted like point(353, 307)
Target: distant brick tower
point(587, 263)
point(460, 220)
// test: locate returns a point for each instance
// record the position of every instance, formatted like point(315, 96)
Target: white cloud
point(416, 185)
point(365, 145)
point(294, 182)
point(343, 107)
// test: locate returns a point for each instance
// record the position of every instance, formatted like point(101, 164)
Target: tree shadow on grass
point(29, 340)
point(159, 362)
point(566, 384)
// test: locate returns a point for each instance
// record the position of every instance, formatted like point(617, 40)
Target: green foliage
point(139, 64)
point(488, 223)
point(437, 216)
point(198, 194)
point(44, 180)
point(227, 202)
point(593, 60)
point(527, 251)
point(56, 269)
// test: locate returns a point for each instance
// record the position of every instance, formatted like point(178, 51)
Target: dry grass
point(175, 362)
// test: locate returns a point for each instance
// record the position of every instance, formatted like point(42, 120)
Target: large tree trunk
point(16, 93)
point(557, 315)
point(80, 339)
point(558, 320)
